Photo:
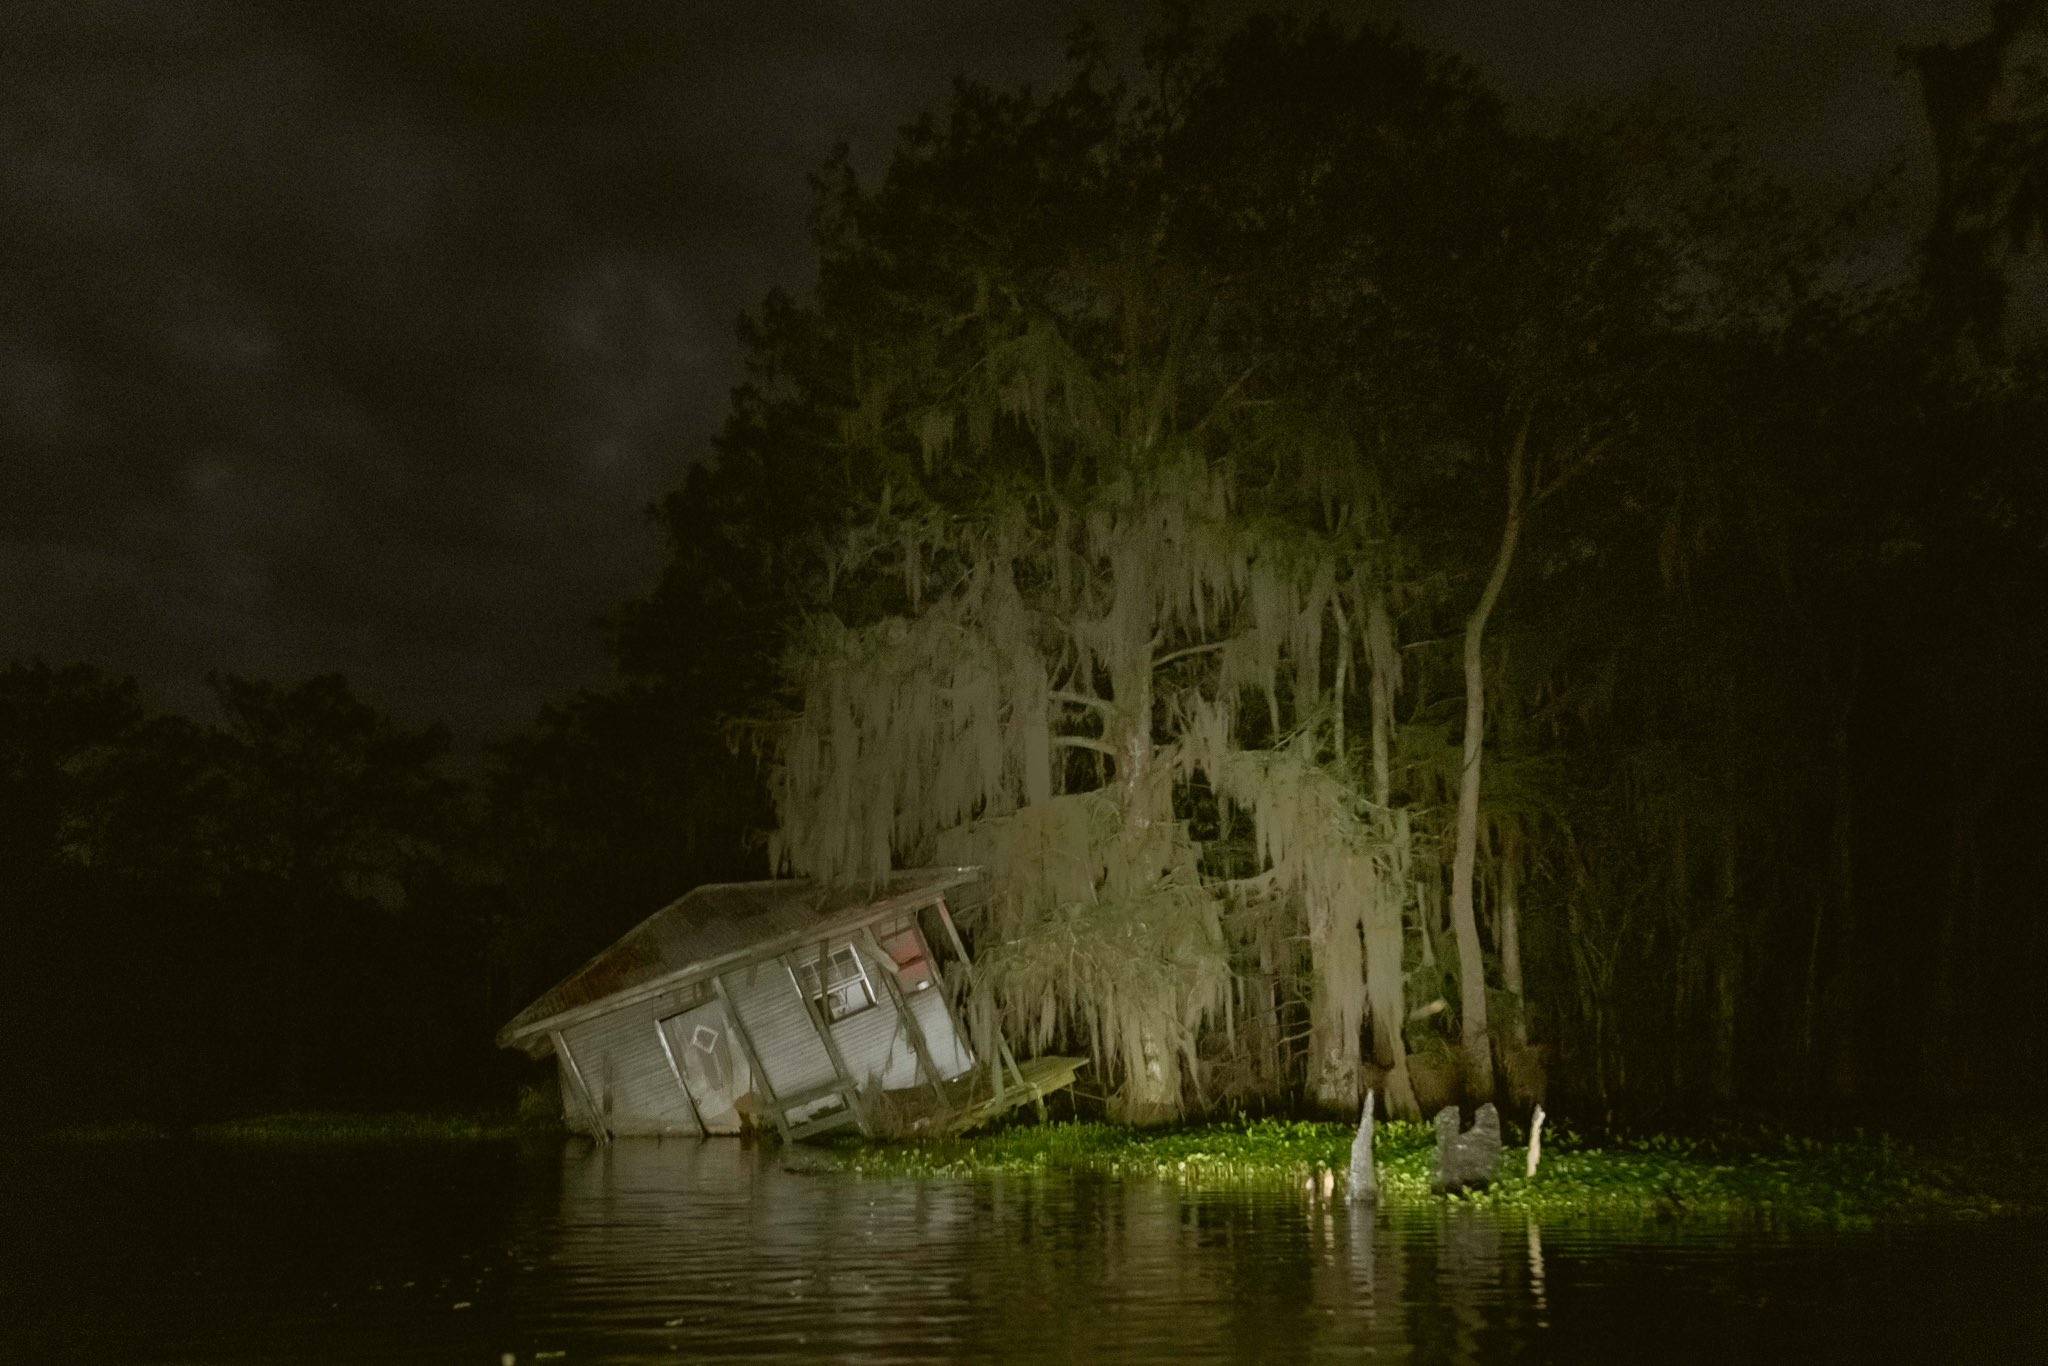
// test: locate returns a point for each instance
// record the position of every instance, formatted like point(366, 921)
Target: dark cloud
point(358, 337)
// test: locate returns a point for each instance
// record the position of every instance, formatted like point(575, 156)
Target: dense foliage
point(1161, 439)
point(1382, 586)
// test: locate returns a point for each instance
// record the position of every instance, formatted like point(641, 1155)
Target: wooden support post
point(1004, 1058)
point(946, 994)
point(667, 1051)
point(848, 1087)
point(762, 1085)
point(598, 1129)
point(886, 967)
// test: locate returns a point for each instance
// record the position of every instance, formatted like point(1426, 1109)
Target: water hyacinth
point(1774, 1179)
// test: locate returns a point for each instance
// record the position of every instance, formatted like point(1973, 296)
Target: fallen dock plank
point(1040, 1077)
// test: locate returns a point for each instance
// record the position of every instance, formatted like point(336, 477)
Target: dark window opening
point(906, 950)
point(843, 990)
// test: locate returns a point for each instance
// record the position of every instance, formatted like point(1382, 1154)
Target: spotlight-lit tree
point(1095, 546)
point(1147, 429)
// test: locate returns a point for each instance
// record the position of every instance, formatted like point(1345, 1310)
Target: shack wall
point(775, 1019)
point(875, 1042)
point(636, 1092)
point(623, 1063)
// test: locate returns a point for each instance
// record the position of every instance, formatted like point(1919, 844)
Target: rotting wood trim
point(696, 1117)
point(948, 994)
point(953, 996)
point(597, 1124)
point(764, 1087)
point(1003, 1055)
point(848, 1088)
point(885, 968)
point(696, 973)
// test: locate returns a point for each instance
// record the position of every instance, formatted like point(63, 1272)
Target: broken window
point(843, 990)
point(906, 950)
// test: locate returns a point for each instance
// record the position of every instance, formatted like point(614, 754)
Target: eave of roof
point(524, 1032)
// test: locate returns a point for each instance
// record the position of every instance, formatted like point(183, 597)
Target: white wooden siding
point(775, 1019)
point(875, 1040)
point(630, 1081)
point(628, 1074)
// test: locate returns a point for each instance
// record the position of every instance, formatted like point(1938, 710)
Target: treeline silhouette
point(300, 904)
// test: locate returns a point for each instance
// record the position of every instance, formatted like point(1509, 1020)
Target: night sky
point(362, 343)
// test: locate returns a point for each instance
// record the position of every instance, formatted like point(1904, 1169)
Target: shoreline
point(310, 1126)
point(1771, 1178)
point(1764, 1176)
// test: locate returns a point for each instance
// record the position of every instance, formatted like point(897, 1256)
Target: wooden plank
point(600, 1132)
point(885, 966)
point(798, 1099)
point(1004, 1058)
point(947, 993)
point(661, 1032)
point(692, 974)
point(824, 1124)
point(1038, 1077)
point(849, 1090)
point(762, 1085)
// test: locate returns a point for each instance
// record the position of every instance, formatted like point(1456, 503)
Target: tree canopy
point(1123, 494)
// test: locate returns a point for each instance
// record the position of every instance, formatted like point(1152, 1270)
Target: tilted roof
point(716, 926)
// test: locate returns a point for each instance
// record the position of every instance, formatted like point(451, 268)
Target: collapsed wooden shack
point(781, 1005)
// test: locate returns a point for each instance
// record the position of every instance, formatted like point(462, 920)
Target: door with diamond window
point(711, 1065)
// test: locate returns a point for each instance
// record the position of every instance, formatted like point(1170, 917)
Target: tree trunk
point(1841, 982)
point(1268, 1008)
point(1474, 1034)
point(1727, 974)
point(1151, 1091)
point(1511, 932)
point(1337, 1007)
point(1383, 677)
point(1384, 980)
point(1941, 1043)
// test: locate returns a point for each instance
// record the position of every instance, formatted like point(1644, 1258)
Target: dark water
point(651, 1252)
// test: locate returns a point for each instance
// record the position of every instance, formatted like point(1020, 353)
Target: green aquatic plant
point(1785, 1179)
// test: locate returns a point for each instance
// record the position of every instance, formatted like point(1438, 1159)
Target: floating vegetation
point(1769, 1178)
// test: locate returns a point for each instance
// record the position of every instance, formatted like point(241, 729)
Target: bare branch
point(1260, 884)
point(1222, 400)
point(1085, 742)
point(1584, 462)
point(1175, 655)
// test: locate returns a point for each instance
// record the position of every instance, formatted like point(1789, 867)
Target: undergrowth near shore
point(1778, 1179)
point(331, 1127)
point(311, 1127)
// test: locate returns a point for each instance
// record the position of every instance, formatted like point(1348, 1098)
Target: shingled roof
point(714, 926)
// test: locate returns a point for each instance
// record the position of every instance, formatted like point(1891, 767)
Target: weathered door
point(714, 1070)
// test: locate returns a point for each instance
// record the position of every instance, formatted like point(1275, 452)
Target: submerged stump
point(1466, 1161)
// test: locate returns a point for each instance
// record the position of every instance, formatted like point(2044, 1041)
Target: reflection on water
point(659, 1251)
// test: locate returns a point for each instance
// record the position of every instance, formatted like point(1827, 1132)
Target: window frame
point(829, 997)
point(917, 972)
